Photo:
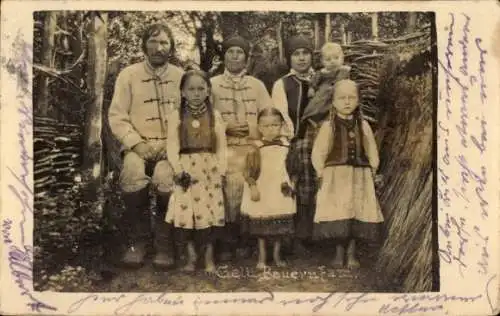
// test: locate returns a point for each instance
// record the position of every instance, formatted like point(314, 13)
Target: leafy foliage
point(63, 228)
point(69, 279)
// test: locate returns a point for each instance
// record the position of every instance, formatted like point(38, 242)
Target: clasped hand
point(149, 152)
point(184, 180)
point(237, 129)
point(287, 190)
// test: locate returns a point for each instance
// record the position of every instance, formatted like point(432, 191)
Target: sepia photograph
point(223, 151)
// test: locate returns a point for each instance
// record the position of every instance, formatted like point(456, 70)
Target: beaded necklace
point(196, 112)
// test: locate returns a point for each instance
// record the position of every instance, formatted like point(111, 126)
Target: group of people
point(231, 163)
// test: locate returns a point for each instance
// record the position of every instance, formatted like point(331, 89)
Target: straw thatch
point(395, 82)
point(406, 146)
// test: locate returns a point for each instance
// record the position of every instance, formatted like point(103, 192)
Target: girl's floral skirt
point(201, 206)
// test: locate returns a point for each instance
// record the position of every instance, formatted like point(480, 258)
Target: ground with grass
point(310, 273)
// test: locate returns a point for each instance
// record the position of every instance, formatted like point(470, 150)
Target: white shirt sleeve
point(321, 148)
point(118, 113)
point(220, 132)
point(173, 145)
point(263, 95)
point(370, 146)
point(280, 102)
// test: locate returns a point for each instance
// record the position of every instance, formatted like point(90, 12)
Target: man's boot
point(137, 226)
point(163, 235)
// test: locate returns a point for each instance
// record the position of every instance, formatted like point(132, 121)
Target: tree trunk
point(64, 43)
point(49, 29)
point(328, 28)
point(411, 22)
point(316, 34)
point(374, 17)
point(198, 40)
point(279, 38)
point(343, 34)
point(349, 37)
point(207, 29)
point(97, 60)
point(78, 46)
point(64, 58)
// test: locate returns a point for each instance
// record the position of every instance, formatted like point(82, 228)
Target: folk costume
point(238, 98)
point(290, 96)
point(142, 99)
point(273, 214)
point(345, 156)
point(197, 146)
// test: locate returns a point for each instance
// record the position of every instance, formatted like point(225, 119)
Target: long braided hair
point(208, 103)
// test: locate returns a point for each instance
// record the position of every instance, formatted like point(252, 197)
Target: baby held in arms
point(322, 82)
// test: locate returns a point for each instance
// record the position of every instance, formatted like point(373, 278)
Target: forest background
point(78, 54)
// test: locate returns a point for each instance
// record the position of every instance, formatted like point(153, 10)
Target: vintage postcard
point(250, 158)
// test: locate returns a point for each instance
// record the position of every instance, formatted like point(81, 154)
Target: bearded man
point(144, 94)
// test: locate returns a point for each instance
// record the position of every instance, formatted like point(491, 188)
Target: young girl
point(268, 206)
point(196, 150)
point(345, 157)
point(332, 59)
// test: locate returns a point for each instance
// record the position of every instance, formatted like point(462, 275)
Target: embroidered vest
point(347, 144)
point(197, 134)
point(296, 94)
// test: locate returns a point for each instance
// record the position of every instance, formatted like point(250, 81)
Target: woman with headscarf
point(290, 96)
point(238, 97)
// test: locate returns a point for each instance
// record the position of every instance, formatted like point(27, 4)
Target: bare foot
point(337, 262)
point(261, 265)
point(280, 263)
point(352, 263)
point(210, 268)
point(189, 267)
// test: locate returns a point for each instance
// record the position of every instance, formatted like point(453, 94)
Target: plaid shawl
point(300, 168)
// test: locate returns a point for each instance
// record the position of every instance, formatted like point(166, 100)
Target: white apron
point(273, 173)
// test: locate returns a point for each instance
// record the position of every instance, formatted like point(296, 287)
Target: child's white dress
point(273, 214)
point(347, 206)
